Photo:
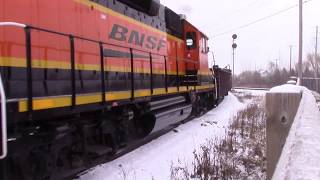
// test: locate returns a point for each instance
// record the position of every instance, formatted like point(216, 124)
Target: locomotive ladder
point(3, 122)
point(3, 108)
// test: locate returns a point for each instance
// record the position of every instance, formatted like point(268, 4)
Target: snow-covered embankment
point(155, 159)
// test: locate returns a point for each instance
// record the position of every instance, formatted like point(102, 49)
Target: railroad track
point(75, 174)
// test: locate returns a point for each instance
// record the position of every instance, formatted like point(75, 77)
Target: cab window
point(191, 40)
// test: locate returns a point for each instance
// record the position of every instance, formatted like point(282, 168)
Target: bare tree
point(314, 61)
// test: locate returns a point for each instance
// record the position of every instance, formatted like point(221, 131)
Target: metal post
point(103, 82)
point(166, 73)
point(73, 71)
point(234, 46)
point(29, 71)
point(177, 64)
point(300, 41)
point(151, 73)
point(233, 61)
point(214, 62)
point(132, 74)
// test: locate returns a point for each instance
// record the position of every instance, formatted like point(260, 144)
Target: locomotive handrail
point(27, 31)
point(73, 73)
point(177, 69)
point(103, 85)
point(12, 24)
point(131, 74)
point(165, 73)
point(72, 37)
point(3, 121)
point(151, 73)
point(86, 39)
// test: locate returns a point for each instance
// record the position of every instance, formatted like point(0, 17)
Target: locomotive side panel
point(51, 52)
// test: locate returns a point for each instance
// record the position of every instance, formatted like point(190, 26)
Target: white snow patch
point(288, 88)
point(153, 160)
point(253, 92)
point(300, 156)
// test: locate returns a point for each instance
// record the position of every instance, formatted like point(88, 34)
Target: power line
point(261, 19)
point(251, 3)
point(238, 11)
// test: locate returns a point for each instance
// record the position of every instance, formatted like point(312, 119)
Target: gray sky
point(259, 43)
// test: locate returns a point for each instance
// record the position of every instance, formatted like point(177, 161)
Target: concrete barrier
point(281, 109)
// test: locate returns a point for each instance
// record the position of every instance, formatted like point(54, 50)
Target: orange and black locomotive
point(84, 78)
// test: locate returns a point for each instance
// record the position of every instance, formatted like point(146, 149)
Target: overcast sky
point(259, 43)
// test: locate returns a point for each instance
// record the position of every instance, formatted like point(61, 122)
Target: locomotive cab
point(196, 55)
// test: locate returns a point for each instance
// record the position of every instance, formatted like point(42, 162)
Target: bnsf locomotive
point(83, 78)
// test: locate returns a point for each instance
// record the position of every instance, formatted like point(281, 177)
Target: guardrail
point(311, 83)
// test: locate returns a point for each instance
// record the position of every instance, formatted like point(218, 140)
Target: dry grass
point(317, 96)
point(239, 155)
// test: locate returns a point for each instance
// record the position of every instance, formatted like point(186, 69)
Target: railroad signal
point(234, 36)
point(234, 46)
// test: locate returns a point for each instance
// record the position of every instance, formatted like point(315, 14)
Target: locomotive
point(84, 78)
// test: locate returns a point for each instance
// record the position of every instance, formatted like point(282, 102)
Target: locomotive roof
point(186, 21)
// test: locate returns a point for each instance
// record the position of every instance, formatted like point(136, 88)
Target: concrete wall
point(281, 108)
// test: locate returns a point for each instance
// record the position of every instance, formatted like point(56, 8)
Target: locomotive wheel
point(62, 163)
point(195, 100)
point(38, 165)
point(197, 106)
point(145, 124)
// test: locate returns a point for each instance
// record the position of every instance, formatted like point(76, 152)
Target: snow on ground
point(253, 92)
point(288, 88)
point(154, 160)
point(300, 156)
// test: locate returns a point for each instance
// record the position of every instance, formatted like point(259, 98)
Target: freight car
point(83, 78)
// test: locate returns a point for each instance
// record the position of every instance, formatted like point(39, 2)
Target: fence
point(311, 83)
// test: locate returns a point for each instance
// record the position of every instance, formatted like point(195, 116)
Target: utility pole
point(290, 58)
point(316, 50)
point(279, 60)
point(300, 41)
point(315, 61)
